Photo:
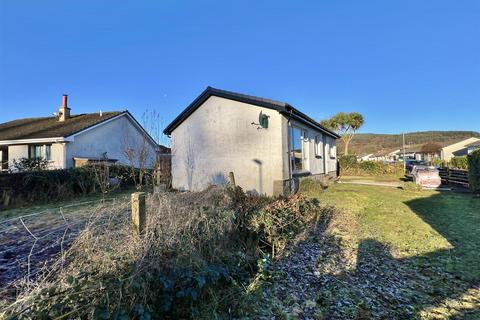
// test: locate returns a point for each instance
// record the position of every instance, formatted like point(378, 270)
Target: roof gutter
point(284, 108)
point(292, 113)
point(38, 140)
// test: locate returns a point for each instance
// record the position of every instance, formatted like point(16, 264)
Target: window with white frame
point(298, 149)
point(318, 146)
point(48, 152)
point(40, 151)
point(333, 151)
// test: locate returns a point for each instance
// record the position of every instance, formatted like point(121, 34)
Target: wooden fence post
point(139, 217)
point(232, 179)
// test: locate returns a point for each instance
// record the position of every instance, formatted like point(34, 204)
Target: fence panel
point(454, 176)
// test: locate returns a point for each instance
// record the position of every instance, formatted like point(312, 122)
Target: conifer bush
point(474, 170)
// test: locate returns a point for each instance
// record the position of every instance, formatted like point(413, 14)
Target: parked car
point(427, 177)
point(411, 164)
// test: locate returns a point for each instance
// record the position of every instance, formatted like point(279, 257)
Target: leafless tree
point(101, 171)
point(189, 160)
point(154, 124)
point(139, 151)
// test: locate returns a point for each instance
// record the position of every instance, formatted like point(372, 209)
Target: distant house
point(365, 157)
point(473, 146)
point(65, 140)
point(265, 143)
point(394, 155)
point(418, 152)
point(379, 156)
point(461, 148)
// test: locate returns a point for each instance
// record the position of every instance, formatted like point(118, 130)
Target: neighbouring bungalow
point(430, 151)
point(461, 148)
point(366, 157)
point(382, 155)
point(265, 143)
point(67, 140)
point(418, 152)
point(393, 156)
point(379, 156)
point(473, 146)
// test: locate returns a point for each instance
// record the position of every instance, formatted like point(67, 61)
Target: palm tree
point(346, 125)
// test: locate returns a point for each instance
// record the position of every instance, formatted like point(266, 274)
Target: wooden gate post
point(232, 179)
point(139, 217)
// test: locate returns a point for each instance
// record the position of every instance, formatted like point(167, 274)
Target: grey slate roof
point(281, 107)
point(49, 127)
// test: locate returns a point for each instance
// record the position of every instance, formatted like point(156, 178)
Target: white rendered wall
point(113, 138)
point(218, 138)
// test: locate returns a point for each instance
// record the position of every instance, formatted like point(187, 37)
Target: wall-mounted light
point(262, 121)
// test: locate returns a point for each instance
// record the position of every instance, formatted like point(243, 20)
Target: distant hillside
point(366, 143)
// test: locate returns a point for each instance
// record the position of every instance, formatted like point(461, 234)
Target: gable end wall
point(114, 138)
point(219, 137)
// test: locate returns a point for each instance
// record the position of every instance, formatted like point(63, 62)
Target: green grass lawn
point(441, 227)
point(387, 253)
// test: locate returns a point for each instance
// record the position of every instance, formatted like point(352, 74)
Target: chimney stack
point(64, 111)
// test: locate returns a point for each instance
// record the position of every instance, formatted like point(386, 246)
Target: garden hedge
point(474, 170)
point(350, 166)
point(52, 185)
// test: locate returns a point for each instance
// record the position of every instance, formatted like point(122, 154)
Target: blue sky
point(406, 65)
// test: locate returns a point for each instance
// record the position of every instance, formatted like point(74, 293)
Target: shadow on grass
point(322, 280)
point(452, 272)
point(457, 218)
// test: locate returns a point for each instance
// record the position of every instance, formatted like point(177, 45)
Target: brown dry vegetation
point(198, 253)
point(364, 253)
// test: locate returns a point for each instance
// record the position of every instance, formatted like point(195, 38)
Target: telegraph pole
point(404, 160)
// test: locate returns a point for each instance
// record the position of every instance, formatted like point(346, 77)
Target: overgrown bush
point(280, 221)
point(198, 252)
point(459, 162)
point(311, 187)
point(29, 164)
point(474, 170)
point(349, 161)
